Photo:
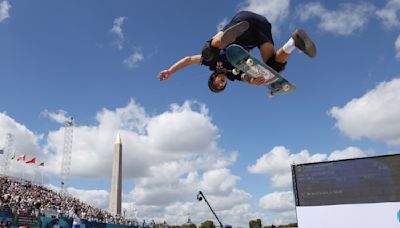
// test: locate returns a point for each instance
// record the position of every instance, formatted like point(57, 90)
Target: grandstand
point(23, 203)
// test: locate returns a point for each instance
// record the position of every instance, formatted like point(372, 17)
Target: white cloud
point(167, 129)
point(279, 159)
point(170, 191)
point(276, 11)
point(60, 116)
point(133, 60)
point(117, 30)
point(277, 162)
point(96, 198)
point(389, 14)
point(221, 25)
point(4, 10)
point(218, 181)
point(286, 217)
point(147, 140)
point(277, 201)
point(280, 203)
point(168, 181)
point(24, 142)
point(375, 115)
point(350, 152)
point(397, 46)
point(343, 21)
point(282, 180)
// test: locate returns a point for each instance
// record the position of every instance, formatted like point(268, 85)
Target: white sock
point(289, 46)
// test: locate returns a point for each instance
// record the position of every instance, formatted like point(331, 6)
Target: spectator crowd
point(23, 197)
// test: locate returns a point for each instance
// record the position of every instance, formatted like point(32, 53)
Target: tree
point(189, 226)
point(207, 224)
point(255, 223)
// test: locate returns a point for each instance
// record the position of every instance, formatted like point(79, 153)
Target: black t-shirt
point(221, 64)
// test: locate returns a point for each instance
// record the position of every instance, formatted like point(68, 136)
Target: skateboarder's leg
point(275, 60)
point(224, 38)
point(267, 50)
point(216, 40)
point(281, 56)
point(300, 40)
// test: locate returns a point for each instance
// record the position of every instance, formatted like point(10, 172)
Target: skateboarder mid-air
point(248, 30)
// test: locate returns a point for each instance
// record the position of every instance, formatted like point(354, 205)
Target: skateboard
point(243, 61)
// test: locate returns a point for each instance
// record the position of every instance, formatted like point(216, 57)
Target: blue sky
point(98, 62)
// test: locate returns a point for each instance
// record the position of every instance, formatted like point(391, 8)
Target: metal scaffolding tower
point(8, 147)
point(66, 157)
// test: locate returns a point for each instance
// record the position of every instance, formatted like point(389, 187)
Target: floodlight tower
point(8, 146)
point(66, 156)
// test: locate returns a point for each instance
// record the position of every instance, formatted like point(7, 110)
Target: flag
point(21, 157)
point(33, 161)
point(1, 151)
point(41, 164)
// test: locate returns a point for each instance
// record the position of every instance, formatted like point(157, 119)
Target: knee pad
point(209, 53)
point(276, 65)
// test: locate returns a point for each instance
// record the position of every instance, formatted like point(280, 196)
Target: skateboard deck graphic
point(243, 61)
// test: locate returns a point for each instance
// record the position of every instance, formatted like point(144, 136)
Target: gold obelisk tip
point(118, 140)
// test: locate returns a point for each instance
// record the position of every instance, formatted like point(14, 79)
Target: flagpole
point(41, 172)
point(33, 175)
point(34, 172)
point(24, 164)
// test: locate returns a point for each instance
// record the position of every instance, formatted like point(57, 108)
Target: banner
point(27, 220)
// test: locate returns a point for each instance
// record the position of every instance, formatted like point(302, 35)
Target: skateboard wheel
point(286, 87)
point(235, 71)
point(249, 62)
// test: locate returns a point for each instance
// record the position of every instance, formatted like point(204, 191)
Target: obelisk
point(116, 179)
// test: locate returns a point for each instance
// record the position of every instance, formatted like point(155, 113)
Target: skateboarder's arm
point(184, 62)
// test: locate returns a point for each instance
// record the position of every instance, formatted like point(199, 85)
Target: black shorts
point(258, 33)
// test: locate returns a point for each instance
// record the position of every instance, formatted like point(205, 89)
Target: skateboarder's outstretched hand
point(257, 81)
point(253, 81)
point(164, 75)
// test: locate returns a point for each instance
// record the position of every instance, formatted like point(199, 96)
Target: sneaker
point(304, 43)
point(233, 32)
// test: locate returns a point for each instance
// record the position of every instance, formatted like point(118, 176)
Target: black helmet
point(211, 83)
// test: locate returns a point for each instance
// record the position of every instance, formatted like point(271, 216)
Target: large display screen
point(352, 181)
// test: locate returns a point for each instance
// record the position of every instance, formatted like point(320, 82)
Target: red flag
point(21, 157)
point(33, 161)
point(41, 164)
